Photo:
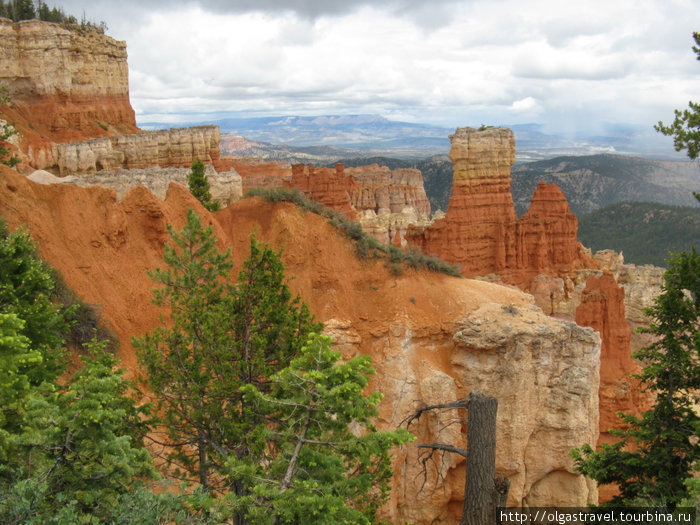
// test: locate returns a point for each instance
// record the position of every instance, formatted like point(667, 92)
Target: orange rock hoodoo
point(480, 232)
point(602, 308)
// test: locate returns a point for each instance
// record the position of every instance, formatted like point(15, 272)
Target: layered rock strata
point(329, 187)
point(177, 147)
point(388, 201)
point(67, 84)
point(69, 88)
point(432, 338)
point(480, 232)
point(385, 201)
point(225, 187)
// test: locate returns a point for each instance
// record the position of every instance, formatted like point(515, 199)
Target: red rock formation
point(547, 233)
point(385, 191)
point(602, 307)
point(329, 187)
point(479, 231)
point(256, 173)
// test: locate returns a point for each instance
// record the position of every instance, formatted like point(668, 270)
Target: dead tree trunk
point(483, 491)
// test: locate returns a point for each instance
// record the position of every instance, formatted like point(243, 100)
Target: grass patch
point(365, 245)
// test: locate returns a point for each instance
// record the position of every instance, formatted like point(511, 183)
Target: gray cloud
point(446, 61)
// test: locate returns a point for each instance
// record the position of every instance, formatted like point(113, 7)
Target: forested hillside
point(644, 231)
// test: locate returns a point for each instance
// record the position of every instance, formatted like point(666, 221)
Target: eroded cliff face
point(67, 84)
point(388, 201)
point(177, 147)
point(69, 87)
point(225, 187)
point(480, 232)
point(385, 202)
point(432, 338)
point(330, 187)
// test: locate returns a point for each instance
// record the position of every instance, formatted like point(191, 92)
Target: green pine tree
point(220, 336)
point(199, 186)
point(664, 455)
point(26, 286)
point(324, 460)
point(71, 449)
point(82, 444)
point(685, 129)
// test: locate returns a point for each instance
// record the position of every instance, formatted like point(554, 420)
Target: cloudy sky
point(571, 65)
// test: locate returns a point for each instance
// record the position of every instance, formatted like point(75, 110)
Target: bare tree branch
point(442, 446)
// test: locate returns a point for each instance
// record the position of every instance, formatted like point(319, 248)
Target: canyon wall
point(69, 91)
point(69, 84)
point(432, 337)
point(388, 201)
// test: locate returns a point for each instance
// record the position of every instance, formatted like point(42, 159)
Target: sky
point(572, 66)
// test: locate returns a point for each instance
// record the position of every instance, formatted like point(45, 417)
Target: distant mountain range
point(335, 136)
point(591, 182)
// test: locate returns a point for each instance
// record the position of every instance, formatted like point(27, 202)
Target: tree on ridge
point(199, 185)
point(685, 129)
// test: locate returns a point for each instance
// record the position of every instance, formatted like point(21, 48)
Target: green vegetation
point(659, 469)
point(365, 245)
point(645, 232)
point(26, 290)
point(685, 129)
point(316, 469)
point(199, 186)
point(18, 10)
point(6, 131)
point(71, 449)
point(257, 410)
point(222, 336)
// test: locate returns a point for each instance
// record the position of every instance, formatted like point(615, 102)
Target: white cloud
point(449, 62)
point(525, 104)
